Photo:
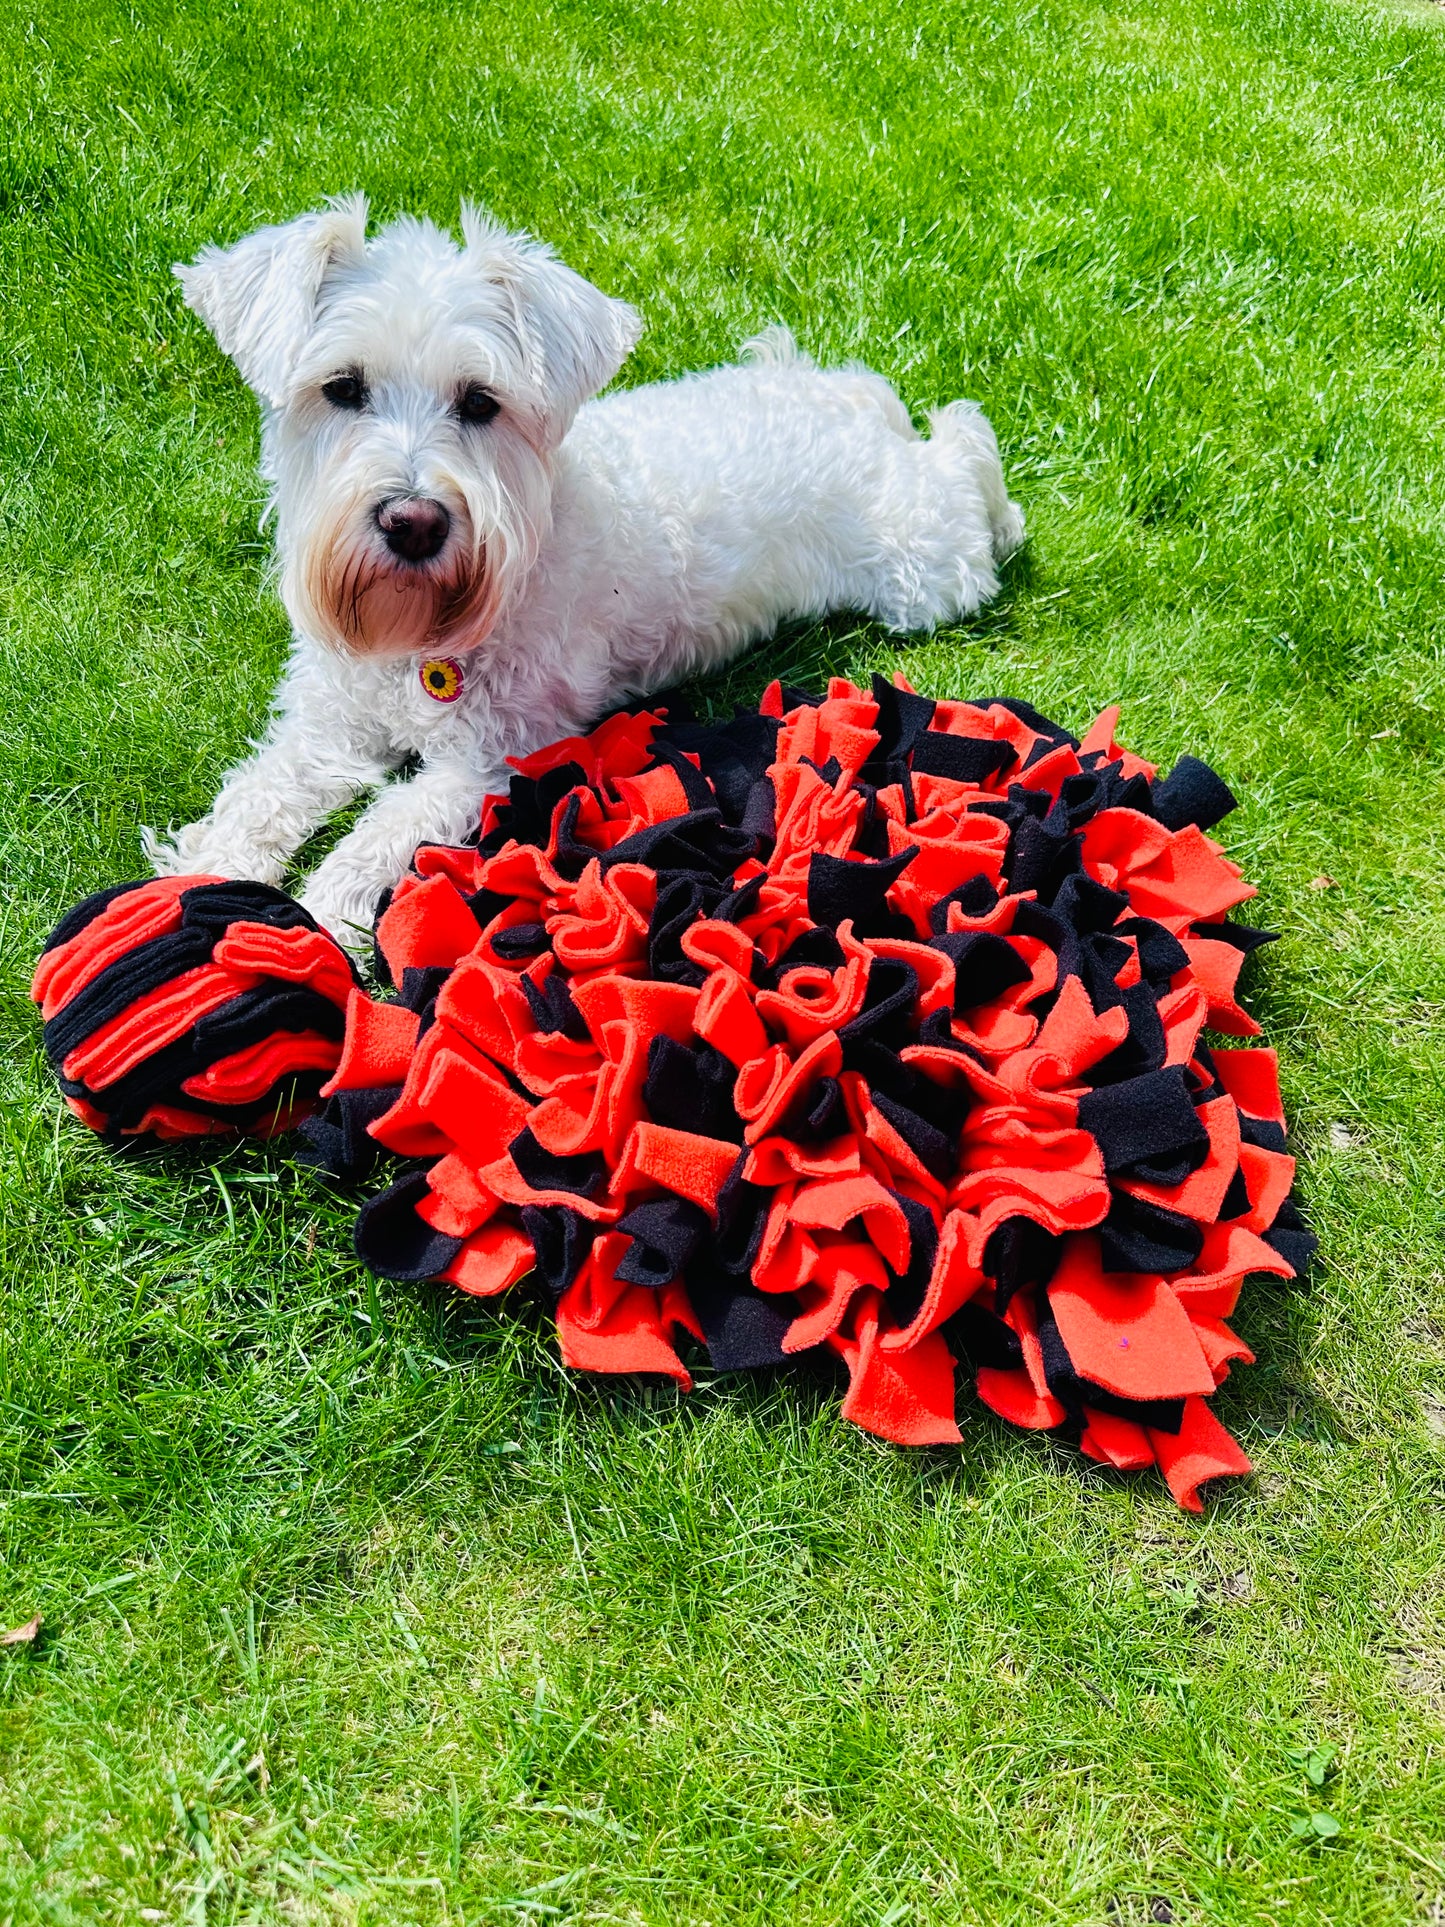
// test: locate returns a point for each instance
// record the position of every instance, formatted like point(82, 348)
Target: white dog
point(477, 559)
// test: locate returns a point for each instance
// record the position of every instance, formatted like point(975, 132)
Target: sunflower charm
point(441, 678)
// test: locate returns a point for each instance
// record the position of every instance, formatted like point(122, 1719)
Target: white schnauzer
point(475, 563)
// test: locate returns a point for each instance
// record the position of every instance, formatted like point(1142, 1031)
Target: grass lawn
point(356, 1607)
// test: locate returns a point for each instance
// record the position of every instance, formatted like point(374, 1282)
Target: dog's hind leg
point(943, 526)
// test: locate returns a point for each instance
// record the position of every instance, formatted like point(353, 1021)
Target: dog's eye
point(475, 405)
point(345, 391)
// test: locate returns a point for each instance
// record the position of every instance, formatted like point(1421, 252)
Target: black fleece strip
point(1019, 1253)
point(838, 889)
point(699, 841)
point(335, 1139)
point(1241, 935)
point(742, 1218)
point(419, 986)
point(1144, 1119)
point(698, 792)
point(665, 1233)
point(690, 1088)
point(982, 1339)
point(743, 1328)
point(888, 1005)
point(964, 759)
point(584, 1173)
point(395, 1242)
point(561, 1240)
point(681, 900)
point(554, 1010)
point(518, 941)
point(984, 966)
point(1140, 1236)
point(1192, 793)
point(907, 1295)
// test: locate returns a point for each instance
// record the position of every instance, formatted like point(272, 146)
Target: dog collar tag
point(441, 678)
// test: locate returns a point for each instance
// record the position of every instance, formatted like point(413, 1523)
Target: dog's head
point(413, 394)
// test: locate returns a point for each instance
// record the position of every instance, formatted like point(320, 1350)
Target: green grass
point(356, 1607)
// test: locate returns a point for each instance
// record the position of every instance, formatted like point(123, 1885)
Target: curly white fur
point(596, 550)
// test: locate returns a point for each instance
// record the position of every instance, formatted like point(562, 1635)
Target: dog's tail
point(774, 347)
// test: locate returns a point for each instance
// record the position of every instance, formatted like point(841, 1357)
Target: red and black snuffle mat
point(860, 1025)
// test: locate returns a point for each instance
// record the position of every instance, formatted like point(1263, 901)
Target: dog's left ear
point(573, 337)
point(258, 298)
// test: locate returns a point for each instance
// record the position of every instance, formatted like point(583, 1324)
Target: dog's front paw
point(196, 850)
point(346, 912)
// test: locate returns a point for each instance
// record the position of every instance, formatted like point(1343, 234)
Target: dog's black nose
point(415, 527)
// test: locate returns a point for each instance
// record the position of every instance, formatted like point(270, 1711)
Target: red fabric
point(248, 1074)
point(692, 1167)
point(1202, 1450)
point(604, 1325)
point(903, 1396)
point(1251, 1078)
point(377, 1047)
point(1125, 1331)
point(149, 911)
point(427, 926)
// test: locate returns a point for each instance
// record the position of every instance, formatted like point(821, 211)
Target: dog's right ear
point(259, 297)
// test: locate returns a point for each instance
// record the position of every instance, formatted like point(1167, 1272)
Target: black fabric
point(1138, 1235)
point(742, 1218)
point(1292, 1238)
point(335, 1139)
point(839, 890)
point(984, 966)
point(1241, 935)
point(585, 1172)
point(1161, 955)
point(982, 1339)
point(690, 1088)
point(561, 1240)
point(907, 1295)
point(518, 941)
point(1146, 1127)
point(419, 987)
point(700, 843)
point(887, 1014)
point(1236, 1198)
point(681, 900)
point(933, 1148)
point(1019, 1253)
point(965, 759)
point(742, 1327)
point(395, 1242)
point(1192, 793)
point(554, 1009)
point(665, 1233)
point(1262, 1132)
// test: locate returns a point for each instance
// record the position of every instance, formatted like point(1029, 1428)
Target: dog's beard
point(344, 587)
